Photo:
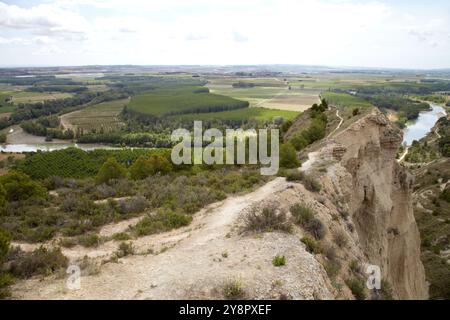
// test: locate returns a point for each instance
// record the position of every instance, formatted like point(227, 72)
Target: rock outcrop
point(377, 195)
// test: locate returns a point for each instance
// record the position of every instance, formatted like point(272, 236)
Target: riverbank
point(419, 128)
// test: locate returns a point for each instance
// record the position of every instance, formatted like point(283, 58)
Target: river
point(18, 148)
point(418, 129)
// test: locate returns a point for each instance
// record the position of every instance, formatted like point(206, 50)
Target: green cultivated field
point(76, 163)
point(5, 107)
point(33, 97)
point(257, 114)
point(103, 115)
point(345, 100)
point(182, 100)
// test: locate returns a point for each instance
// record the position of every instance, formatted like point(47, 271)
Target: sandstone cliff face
point(377, 193)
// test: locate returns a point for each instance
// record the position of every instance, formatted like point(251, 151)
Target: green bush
point(5, 241)
point(2, 198)
point(41, 261)
point(163, 220)
point(125, 249)
point(311, 245)
point(121, 236)
point(267, 219)
point(332, 268)
point(5, 279)
point(19, 187)
point(299, 141)
point(357, 288)
point(279, 261)
point(305, 217)
point(354, 266)
point(316, 228)
point(147, 166)
point(288, 156)
point(385, 291)
point(294, 175)
point(89, 240)
point(301, 214)
point(110, 170)
point(311, 184)
point(340, 238)
point(233, 289)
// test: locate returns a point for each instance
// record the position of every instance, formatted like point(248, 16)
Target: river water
point(418, 129)
point(17, 148)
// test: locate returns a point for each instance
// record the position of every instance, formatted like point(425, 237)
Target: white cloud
point(42, 19)
point(328, 32)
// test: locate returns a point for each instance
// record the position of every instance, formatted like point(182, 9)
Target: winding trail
point(339, 125)
point(403, 155)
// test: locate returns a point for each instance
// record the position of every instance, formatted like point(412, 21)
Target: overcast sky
point(385, 33)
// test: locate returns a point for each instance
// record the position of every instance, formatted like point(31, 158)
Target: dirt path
point(437, 133)
point(195, 261)
point(65, 123)
point(402, 157)
point(339, 125)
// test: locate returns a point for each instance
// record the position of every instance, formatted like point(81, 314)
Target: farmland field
point(32, 97)
point(257, 114)
point(5, 107)
point(272, 97)
point(182, 100)
point(345, 100)
point(103, 115)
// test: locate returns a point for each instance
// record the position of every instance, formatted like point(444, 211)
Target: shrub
point(80, 205)
point(279, 261)
point(89, 240)
point(110, 170)
point(340, 238)
point(133, 205)
point(385, 292)
point(294, 175)
point(5, 279)
point(2, 198)
point(19, 187)
point(299, 142)
point(67, 243)
point(4, 244)
point(125, 249)
point(41, 261)
point(163, 220)
point(355, 112)
point(311, 245)
point(354, 266)
point(301, 214)
point(305, 217)
point(316, 228)
point(267, 219)
point(141, 168)
point(332, 268)
point(288, 156)
point(311, 184)
point(233, 289)
point(121, 236)
point(357, 288)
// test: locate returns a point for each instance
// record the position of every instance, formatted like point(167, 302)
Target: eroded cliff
point(377, 194)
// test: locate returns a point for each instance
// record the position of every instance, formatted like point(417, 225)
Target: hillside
point(364, 212)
